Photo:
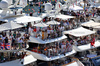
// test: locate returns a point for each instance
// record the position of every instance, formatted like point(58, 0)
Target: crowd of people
point(53, 49)
point(10, 56)
point(13, 40)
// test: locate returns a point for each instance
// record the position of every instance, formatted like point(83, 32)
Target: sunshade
point(90, 24)
point(79, 32)
point(41, 24)
point(11, 25)
point(53, 23)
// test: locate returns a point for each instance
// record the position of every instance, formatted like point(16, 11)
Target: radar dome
point(48, 6)
point(3, 4)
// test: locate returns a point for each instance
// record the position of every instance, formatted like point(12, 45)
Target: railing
point(53, 51)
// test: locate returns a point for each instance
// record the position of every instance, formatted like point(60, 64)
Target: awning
point(41, 24)
point(21, 19)
point(11, 25)
point(2, 28)
point(53, 23)
point(90, 24)
point(27, 60)
point(79, 32)
point(40, 41)
point(61, 16)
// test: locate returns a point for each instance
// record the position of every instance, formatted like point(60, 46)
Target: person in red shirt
point(93, 42)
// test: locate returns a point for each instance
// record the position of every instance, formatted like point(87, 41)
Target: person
point(92, 42)
point(18, 34)
point(6, 40)
point(30, 30)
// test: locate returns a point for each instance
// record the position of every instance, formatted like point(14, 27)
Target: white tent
point(12, 25)
point(97, 27)
point(79, 32)
point(75, 8)
point(41, 24)
point(27, 60)
point(21, 19)
point(61, 16)
point(90, 24)
point(2, 28)
point(53, 23)
point(40, 41)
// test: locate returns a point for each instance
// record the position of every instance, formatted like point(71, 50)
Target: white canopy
point(75, 8)
point(2, 28)
point(90, 24)
point(41, 24)
point(21, 19)
point(97, 27)
point(53, 23)
point(61, 16)
point(28, 59)
point(12, 25)
point(40, 41)
point(79, 32)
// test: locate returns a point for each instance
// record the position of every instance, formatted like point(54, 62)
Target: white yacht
point(81, 42)
point(11, 58)
point(49, 50)
point(13, 12)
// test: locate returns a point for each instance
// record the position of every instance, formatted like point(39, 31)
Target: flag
point(2, 45)
point(93, 42)
point(29, 9)
point(59, 5)
point(49, 0)
point(33, 9)
point(7, 46)
point(55, 0)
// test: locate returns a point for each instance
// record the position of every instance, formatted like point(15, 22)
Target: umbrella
point(41, 24)
point(53, 23)
point(11, 25)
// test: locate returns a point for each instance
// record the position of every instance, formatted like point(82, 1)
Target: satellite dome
point(48, 6)
point(3, 4)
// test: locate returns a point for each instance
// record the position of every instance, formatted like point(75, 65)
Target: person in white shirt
point(30, 30)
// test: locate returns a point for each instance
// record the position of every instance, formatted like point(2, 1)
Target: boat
point(13, 12)
point(16, 58)
point(77, 35)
